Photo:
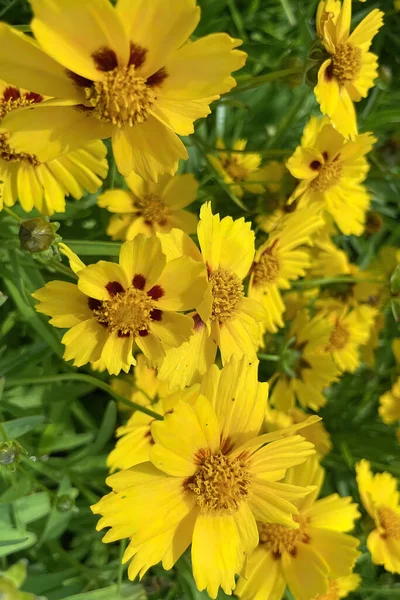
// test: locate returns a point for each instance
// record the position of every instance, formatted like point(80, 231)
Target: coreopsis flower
point(148, 207)
point(114, 306)
point(280, 260)
point(340, 587)
point(350, 329)
point(306, 371)
point(316, 434)
point(350, 70)
point(308, 558)
point(239, 169)
point(209, 478)
point(226, 319)
point(279, 184)
point(389, 405)
point(381, 500)
point(108, 75)
point(44, 184)
point(331, 170)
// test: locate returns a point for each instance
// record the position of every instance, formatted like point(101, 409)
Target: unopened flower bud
point(64, 503)
point(10, 454)
point(37, 235)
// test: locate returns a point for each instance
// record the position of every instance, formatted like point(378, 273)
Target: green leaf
point(19, 427)
point(68, 441)
point(26, 540)
point(86, 248)
point(58, 521)
point(129, 591)
point(33, 507)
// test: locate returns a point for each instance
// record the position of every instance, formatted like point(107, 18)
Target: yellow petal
point(184, 282)
point(336, 548)
point(63, 302)
point(173, 329)
point(142, 256)
point(306, 560)
point(75, 262)
point(94, 335)
point(94, 279)
point(365, 31)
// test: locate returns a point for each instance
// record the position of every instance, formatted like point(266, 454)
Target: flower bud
point(64, 503)
point(10, 454)
point(37, 235)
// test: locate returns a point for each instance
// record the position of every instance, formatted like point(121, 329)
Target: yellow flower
point(108, 75)
point(331, 171)
point(210, 477)
point(281, 260)
point(327, 260)
point(308, 370)
point(340, 587)
point(150, 207)
point(226, 319)
point(44, 185)
point(307, 558)
point(380, 498)
point(115, 306)
point(280, 185)
point(349, 72)
point(389, 404)
point(239, 169)
point(316, 434)
point(350, 329)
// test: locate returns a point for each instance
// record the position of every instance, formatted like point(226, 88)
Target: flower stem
point(270, 357)
point(88, 379)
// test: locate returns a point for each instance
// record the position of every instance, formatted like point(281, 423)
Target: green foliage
point(64, 420)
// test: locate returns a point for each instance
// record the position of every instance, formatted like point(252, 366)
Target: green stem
point(87, 379)
point(237, 19)
point(12, 214)
point(288, 12)
point(331, 280)
point(3, 433)
point(251, 83)
point(54, 265)
point(270, 357)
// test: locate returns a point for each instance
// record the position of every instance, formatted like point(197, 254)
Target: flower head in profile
point(148, 207)
point(108, 75)
point(44, 185)
point(115, 308)
point(280, 260)
point(209, 479)
point(241, 170)
point(306, 370)
point(331, 170)
point(381, 500)
point(308, 558)
point(350, 70)
point(225, 319)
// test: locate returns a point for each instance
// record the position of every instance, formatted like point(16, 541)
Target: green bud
point(385, 73)
point(64, 503)
point(10, 454)
point(37, 235)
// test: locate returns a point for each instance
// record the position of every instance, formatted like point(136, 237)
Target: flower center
point(221, 483)
point(346, 63)
point(279, 539)
point(152, 209)
point(329, 174)
point(235, 170)
point(227, 292)
point(127, 312)
point(12, 99)
point(121, 97)
point(331, 594)
point(338, 338)
point(267, 269)
point(390, 522)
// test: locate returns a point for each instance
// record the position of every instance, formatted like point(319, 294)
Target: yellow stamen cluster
point(121, 97)
point(227, 292)
point(221, 483)
point(267, 269)
point(338, 338)
point(390, 523)
point(152, 209)
point(128, 312)
point(346, 63)
point(235, 170)
point(329, 174)
point(279, 539)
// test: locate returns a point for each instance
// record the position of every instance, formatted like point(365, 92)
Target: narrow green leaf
point(86, 248)
point(26, 541)
point(33, 507)
point(18, 427)
point(58, 520)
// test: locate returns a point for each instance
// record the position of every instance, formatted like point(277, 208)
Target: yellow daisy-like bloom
point(44, 185)
point(332, 170)
point(350, 330)
point(389, 404)
point(239, 169)
point(340, 587)
point(109, 76)
point(210, 477)
point(310, 370)
point(114, 306)
point(142, 386)
point(316, 434)
point(226, 319)
point(281, 260)
point(307, 558)
point(380, 498)
point(150, 207)
point(280, 185)
point(349, 72)
point(327, 260)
